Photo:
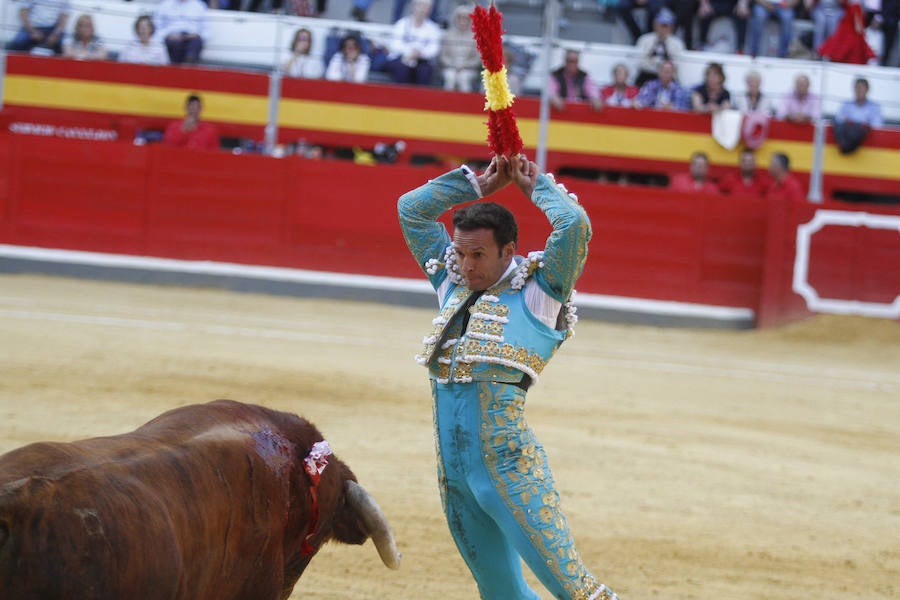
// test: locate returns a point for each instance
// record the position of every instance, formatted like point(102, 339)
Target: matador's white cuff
point(473, 179)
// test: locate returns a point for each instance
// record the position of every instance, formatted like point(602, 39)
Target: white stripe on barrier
point(419, 286)
point(801, 283)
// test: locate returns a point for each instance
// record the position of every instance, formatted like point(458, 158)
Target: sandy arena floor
point(691, 464)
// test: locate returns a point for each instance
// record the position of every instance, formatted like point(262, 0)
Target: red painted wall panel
point(339, 216)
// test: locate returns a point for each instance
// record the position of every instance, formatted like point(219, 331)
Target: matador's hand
point(495, 177)
point(524, 173)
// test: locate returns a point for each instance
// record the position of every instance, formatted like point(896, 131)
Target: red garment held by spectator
point(848, 42)
point(204, 137)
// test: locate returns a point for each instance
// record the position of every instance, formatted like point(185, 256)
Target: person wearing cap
point(658, 46)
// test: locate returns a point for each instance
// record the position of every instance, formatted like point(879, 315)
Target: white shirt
point(182, 16)
point(340, 70)
point(151, 54)
point(304, 65)
point(408, 37)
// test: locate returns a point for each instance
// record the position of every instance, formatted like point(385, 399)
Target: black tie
point(462, 313)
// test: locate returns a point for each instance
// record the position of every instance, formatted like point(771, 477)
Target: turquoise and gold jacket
point(503, 339)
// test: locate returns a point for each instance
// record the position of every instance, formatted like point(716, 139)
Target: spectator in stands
point(664, 93)
point(800, 106)
point(783, 187)
point(191, 132)
point(349, 63)
point(696, 180)
point(625, 10)
point(183, 25)
point(711, 95)
point(746, 182)
point(855, 118)
point(301, 62)
point(737, 10)
point(753, 100)
point(415, 44)
point(400, 8)
point(43, 26)
point(569, 83)
point(825, 14)
point(83, 43)
point(619, 92)
point(459, 58)
point(763, 10)
point(659, 45)
point(146, 49)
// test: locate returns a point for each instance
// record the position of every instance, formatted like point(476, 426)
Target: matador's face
point(481, 262)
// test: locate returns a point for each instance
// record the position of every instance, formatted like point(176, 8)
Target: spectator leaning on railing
point(83, 43)
point(664, 93)
point(800, 106)
point(855, 118)
point(301, 62)
point(711, 95)
point(619, 92)
point(349, 63)
point(569, 83)
point(145, 48)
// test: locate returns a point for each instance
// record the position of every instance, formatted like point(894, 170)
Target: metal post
point(3, 43)
point(815, 174)
point(271, 131)
point(551, 30)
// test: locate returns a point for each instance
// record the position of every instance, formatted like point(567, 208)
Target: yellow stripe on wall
point(400, 123)
point(118, 98)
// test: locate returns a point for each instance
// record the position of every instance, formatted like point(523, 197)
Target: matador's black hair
point(488, 215)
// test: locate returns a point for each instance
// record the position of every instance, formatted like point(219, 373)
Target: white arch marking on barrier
point(801, 263)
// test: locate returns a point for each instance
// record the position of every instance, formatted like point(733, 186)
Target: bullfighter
point(501, 319)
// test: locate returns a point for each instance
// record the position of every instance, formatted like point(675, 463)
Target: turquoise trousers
point(498, 495)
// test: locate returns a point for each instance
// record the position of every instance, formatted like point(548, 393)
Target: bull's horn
point(375, 522)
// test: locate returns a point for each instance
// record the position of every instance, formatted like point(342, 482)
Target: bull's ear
point(375, 523)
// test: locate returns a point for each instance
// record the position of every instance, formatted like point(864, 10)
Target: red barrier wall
point(329, 215)
point(115, 100)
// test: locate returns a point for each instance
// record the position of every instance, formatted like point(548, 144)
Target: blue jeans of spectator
point(420, 73)
point(825, 21)
point(724, 8)
point(24, 43)
point(761, 14)
point(184, 50)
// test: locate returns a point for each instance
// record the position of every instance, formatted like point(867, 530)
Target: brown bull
point(210, 501)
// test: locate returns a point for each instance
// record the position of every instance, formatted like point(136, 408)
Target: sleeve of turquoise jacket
point(419, 211)
point(567, 246)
